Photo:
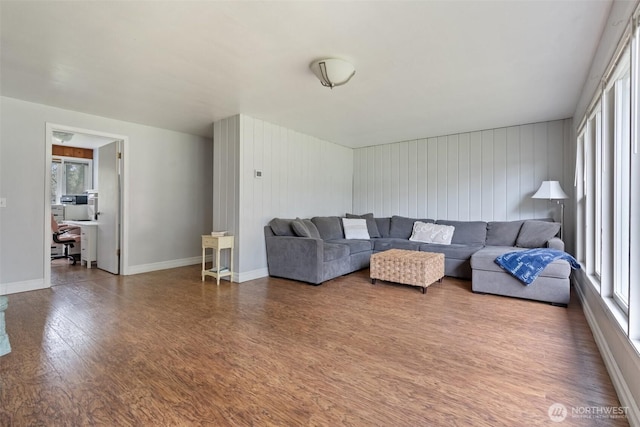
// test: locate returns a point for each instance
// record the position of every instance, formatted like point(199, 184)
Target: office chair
point(64, 237)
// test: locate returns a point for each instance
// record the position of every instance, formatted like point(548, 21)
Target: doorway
point(104, 180)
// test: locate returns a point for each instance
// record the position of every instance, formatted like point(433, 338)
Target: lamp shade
point(550, 190)
point(332, 71)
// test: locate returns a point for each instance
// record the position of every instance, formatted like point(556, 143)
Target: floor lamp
point(551, 190)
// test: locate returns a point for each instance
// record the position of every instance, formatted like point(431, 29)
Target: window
point(608, 186)
point(597, 214)
point(621, 179)
point(69, 176)
point(594, 192)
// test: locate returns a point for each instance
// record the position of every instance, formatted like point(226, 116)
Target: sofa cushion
point(535, 234)
point(329, 227)
point(386, 243)
point(383, 226)
point(503, 233)
point(332, 251)
point(431, 233)
point(281, 227)
point(467, 232)
point(485, 259)
point(453, 251)
point(355, 228)
point(401, 226)
point(372, 226)
point(355, 246)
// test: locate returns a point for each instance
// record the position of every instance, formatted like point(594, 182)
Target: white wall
point(169, 180)
point(487, 175)
point(302, 177)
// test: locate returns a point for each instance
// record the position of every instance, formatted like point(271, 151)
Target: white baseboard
point(164, 265)
point(618, 380)
point(250, 275)
point(27, 285)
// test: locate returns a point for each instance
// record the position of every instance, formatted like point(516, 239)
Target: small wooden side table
point(217, 243)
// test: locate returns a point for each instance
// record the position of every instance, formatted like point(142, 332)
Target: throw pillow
point(535, 234)
point(432, 233)
point(372, 226)
point(300, 228)
point(313, 230)
point(355, 228)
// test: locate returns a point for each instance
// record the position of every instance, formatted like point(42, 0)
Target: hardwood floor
point(163, 348)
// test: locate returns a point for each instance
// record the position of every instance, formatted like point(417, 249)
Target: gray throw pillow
point(281, 227)
point(503, 233)
point(535, 234)
point(313, 230)
point(299, 228)
point(372, 226)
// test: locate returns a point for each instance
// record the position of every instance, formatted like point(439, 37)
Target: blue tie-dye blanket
point(527, 265)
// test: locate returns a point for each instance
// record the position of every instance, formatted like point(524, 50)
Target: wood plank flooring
point(163, 348)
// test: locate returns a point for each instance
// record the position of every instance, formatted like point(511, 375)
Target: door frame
point(124, 195)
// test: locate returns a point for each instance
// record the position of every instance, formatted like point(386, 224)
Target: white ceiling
point(424, 68)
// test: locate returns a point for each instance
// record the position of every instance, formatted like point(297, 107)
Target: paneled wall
point(302, 177)
point(486, 175)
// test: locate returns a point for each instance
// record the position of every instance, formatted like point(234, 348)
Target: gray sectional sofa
point(315, 250)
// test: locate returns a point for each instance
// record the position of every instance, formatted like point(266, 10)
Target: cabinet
point(88, 240)
point(217, 243)
point(88, 247)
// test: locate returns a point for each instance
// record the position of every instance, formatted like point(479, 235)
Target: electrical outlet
point(257, 173)
point(3, 202)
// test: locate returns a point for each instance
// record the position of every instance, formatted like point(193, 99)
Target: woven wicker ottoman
point(407, 267)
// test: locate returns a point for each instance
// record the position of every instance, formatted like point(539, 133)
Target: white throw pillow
point(432, 233)
point(355, 228)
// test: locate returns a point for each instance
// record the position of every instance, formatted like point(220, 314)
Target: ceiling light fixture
point(62, 136)
point(332, 71)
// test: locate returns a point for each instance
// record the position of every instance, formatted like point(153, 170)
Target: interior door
point(108, 238)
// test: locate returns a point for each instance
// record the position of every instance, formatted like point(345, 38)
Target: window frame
point(61, 175)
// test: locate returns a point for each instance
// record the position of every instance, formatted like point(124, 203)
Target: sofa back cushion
point(401, 227)
point(383, 226)
point(467, 232)
point(281, 227)
point(329, 227)
point(503, 233)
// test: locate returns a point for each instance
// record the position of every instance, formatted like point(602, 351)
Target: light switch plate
point(257, 173)
point(3, 202)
